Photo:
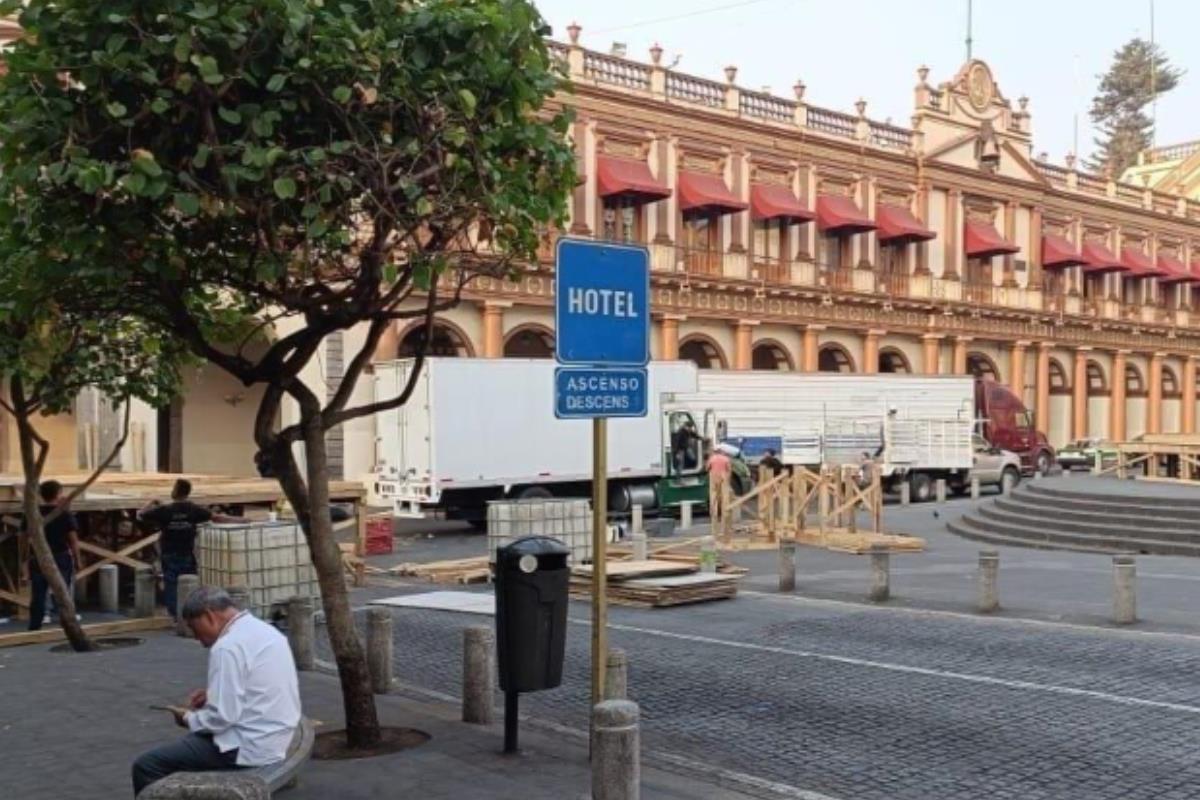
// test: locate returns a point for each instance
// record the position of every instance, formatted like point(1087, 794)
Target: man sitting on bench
point(247, 715)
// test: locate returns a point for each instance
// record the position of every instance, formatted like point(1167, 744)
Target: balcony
point(770, 270)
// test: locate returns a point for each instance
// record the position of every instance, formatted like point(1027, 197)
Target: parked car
point(992, 466)
point(1081, 454)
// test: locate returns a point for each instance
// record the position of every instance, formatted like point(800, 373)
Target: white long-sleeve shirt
point(253, 693)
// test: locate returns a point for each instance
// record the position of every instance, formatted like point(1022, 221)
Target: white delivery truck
point(917, 428)
point(476, 430)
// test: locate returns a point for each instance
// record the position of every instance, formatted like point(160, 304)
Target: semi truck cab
point(1005, 422)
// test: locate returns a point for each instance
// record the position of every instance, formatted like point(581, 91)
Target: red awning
point(897, 225)
point(984, 241)
point(839, 215)
point(1196, 270)
point(771, 201)
point(1100, 259)
point(1173, 270)
point(1140, 264)
point(622, 176)
point(1058, 253)
point(702, 192)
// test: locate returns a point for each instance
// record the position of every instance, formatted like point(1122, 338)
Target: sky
point(1053, 51)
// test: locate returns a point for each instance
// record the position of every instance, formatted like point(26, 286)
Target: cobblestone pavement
point(867, 704)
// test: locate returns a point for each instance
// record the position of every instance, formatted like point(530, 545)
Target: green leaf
point(424, 207)
point(200, 160)
point(134, 182)
point(285, 188)
point(209, 70)
point(160, 106)
point(187, 203)
point(276, 83)
point(116, 110)
point(145, 163)
point(468, 100)
point(342, 94)
point(204, 11)
point(230, 116)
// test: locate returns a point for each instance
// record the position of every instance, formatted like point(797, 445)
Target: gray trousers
point(195, 752)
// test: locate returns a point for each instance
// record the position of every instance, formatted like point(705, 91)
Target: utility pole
point(969, 8)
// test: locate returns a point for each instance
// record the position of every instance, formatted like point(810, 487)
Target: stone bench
point(258, 783)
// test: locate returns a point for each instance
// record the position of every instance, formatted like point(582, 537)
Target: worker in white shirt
point(248, 713)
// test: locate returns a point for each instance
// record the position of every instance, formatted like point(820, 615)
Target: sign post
point(602, 342)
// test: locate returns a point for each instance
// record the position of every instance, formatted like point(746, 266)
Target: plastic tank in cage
point(569, 521)
point(271, 559)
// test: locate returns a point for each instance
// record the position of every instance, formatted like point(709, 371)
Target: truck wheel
point(1043, 462)
point(922, 487)
point(1009, 479)
point(534, 493)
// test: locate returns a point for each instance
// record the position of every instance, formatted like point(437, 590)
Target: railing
point(616, 71)
point(558, 51)
point(1052, 172)
point(1174, 152)
point(840, 279)
point(895, 284)
point(695, 90)
point(1127, 192)
point(886, 135)
point(771, 270)
point(1092, 183)
point(822, 119)
point(701, 262)
point(767, 106)
point(978, 293)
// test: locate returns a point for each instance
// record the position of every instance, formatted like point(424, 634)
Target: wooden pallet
point(50, 635)
point(860, 542)
point(662, 592)
point(460, 570)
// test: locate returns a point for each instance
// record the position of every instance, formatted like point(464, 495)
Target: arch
point(893, 360)
point(981, 365)
point(703, 351)
point(833, 357)
point(769, 354)
point(448, 341)
point(1135, 384)
point(1097, 381)
point(529, 341)
point(1170, 383)
point(1060, 383)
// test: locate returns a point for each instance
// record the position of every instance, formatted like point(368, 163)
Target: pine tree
point(1139, 72)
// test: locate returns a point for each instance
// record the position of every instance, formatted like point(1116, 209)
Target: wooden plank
point(98, 629)
point(619, 570)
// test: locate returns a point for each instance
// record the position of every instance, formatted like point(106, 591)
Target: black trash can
point(532, 578)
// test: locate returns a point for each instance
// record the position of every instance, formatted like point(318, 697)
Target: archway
point(981, 366)
point(703, 351)
point(1097, 383)
point(834, 358)
point(529, 341)
point(770, 355)
point(1170, 383)
point(1135, 384)
point(447, 341)
point(1059, 382)
point(892, 360)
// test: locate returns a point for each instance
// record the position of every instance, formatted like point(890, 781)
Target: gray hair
point(204, 599)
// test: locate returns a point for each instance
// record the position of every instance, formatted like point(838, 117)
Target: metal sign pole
point(599, 555)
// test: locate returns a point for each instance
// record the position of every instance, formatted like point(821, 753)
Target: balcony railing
point(834, 122)
point(767, 106)
point(702, 262)
point(695, 90)
point(616, 71)
point(770, 270)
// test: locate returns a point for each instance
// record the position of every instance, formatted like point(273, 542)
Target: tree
point(58, 336)
point(1139, 73)
point(314, 166)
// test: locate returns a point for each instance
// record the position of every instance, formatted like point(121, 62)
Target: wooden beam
point(55, 634)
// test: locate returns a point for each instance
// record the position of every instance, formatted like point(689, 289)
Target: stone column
point(1188, 417)
point(584, 135)
point(1079, 388)
point(1042, 406)
point(1154, 404)
point(1034, 250)
point(1010, 232)
point(669, 350)
point(493, 329)
point(743, 352)
point(1116, 405)
point(961, 343)
point(952, 234)
point(1016, 368)
point(812, 345)
point(932, 353)
point(870, 351)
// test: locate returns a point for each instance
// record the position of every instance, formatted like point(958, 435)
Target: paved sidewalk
point(72, 724)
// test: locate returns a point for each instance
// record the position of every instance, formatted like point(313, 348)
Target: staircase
point(1090, 515)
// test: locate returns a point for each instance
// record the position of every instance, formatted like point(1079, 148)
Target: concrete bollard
point(379, 649)
point(685, 514)
point(787, 565)
point(989, 588)
point(906, 493)
point(640, 549)
point(302, 632)
point(109, 599)
point(240, 595)
point(1097, 462)
point(144, 589)
point(941, 490)
point(479, 670)
point(187, 584)
point(880, 573)
point(1124, 590)
point(636, 522)
point(1066, 473)
point(975, 487)
point(616, 675)
point(708, 555)
point(616, 757)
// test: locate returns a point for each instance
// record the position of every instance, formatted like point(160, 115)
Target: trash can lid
point(535, 546)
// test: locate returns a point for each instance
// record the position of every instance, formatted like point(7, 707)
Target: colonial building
point(787, 236)
point(1173, 169)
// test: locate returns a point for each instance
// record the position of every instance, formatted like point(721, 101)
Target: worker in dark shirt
point(771, 462)
point(62, 534)
point(178, 520)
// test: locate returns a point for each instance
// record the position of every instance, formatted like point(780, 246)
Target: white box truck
point(476, 430)
point(917, 428)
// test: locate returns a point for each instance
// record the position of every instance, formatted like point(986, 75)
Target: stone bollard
point(302, 632)
point(616, 758)
point(109, 599)
point(636, 523)
point(144, 588)
point(1124, 590)
point(989, 588)
point(880, 573)
point(905, 493)
point(787, 565)
point(975, 487)
point(1097, 462)
point(379, 649)
point(479, 669)
point(240, 595)
point(616, 675)
point(187, 584)
point(1066, 473)
point(685, 514)
point(640, 549)
point(708, 555)
point(941, 490)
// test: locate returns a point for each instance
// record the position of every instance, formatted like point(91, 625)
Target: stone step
point(967, 530)
point(1062, 539)
point(1163, 502)
point(1088, 515)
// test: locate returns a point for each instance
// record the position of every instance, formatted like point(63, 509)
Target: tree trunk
point(31, 465)
point(310, 499)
